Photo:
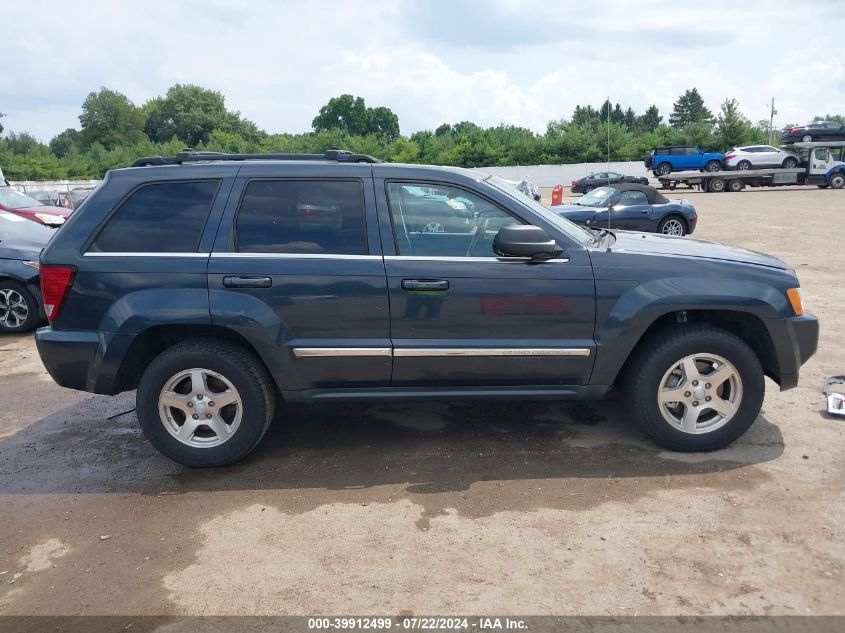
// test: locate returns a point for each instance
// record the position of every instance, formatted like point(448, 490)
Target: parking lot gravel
point(486, 508)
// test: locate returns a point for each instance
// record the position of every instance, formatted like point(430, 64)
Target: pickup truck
point(665, 160)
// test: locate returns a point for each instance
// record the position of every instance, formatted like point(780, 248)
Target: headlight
point(49, 218)
point(794, 296)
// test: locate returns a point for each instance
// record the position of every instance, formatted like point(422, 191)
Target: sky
point(431, 61)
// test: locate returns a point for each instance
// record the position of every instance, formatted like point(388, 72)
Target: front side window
point(630, 198)
point(693, 151)
point(164, 217)
point(440, 220)
point(677, 151)
point(302, 216)
point(820, 153)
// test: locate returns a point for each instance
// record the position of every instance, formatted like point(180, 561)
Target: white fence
point(541, 175)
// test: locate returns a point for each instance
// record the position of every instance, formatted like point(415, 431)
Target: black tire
point(743, 165)
point(588, 188)
point(18, 308)
point(668, 347)
point(807, 138)
point(837, 181)
point(663, 169)
point(661, 227)
point(713, 165)
point(736, 185)
point(240, 367)
point(716, 185)
point(790, 163)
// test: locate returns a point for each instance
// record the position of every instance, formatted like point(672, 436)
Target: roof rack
point(188, 155)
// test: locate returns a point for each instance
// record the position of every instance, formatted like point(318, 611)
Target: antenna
point(772, 114)
point(608, 155)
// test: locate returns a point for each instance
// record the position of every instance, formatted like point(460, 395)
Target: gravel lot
point(439, 509)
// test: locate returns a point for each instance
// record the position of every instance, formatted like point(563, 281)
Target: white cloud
point(431, 62)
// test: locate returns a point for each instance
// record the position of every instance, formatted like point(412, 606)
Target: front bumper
point(796, 340)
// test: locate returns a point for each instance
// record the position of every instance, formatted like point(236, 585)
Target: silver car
point(759, 157)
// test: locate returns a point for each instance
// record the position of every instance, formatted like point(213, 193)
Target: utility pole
point(772, 114)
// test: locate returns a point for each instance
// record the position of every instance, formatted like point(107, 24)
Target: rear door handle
point(247, 282)
point(425, 284)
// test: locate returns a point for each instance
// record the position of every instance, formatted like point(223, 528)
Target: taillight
point(574, 183)
point(729, 156)
point(793, 130)
point(55, 284)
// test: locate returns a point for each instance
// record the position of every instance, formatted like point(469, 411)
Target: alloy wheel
point(200, 408)
point(13, 308)
point(700, 394)
point(673, 227)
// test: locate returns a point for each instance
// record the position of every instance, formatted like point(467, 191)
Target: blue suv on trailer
point(221, 286)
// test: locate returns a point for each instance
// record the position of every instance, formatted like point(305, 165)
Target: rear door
point(297, 270)
point(462, 316)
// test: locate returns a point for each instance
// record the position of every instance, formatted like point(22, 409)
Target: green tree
point(383, 122)
point(836, 118)
point(688, 109)
point(111, 119)
point(190, 113)
point(733, 129)
point(345, 113)
point(66, 142)
point(651, 118)
point(1, 123)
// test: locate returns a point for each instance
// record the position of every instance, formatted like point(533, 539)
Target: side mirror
point(525, 241)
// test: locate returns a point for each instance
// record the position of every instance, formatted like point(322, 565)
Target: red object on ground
point(557, 195)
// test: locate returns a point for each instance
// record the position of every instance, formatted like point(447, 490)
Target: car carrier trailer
point(823, 164)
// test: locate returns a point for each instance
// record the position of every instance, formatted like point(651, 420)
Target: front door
point(297, 271)
point(627, 211)
point(460, 315)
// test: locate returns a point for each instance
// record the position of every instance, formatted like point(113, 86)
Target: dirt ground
point(444, 509)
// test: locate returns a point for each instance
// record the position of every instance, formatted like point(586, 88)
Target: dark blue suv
point(222, 286)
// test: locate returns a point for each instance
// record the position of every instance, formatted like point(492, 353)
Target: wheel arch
point(156, 339)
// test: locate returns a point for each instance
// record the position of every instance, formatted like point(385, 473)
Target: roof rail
point(188, 155)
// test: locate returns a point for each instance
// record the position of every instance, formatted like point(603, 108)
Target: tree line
point(114, 132)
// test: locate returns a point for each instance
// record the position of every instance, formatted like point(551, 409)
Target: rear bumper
point(796, 340)
point(86, 361)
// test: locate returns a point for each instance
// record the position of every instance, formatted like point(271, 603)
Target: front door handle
point(425, 284)
point(247, 282)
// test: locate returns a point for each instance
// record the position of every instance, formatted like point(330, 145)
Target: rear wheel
point(807, 138)
point(736, 185)
point(716, 185)
point(743, 165)
point(18, 308)
point(790, 163)
point(205, 403)
point(837, 181)
point(663, 169)
point(588, 188)
point(713, 165)
point(672, 225)
point(695, 388)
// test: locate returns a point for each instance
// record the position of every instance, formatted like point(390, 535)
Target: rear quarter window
point(164, 217)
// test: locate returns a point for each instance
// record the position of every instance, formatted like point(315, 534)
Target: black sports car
point(815, 131)
point(21, 242)
point(631, 207)
point(602, 178)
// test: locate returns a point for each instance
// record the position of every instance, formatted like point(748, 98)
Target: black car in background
point(602, 178)
point(815, 131)
point(631, 207)
point(21, 242)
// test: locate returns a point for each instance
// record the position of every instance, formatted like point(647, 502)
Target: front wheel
point(837, 181)
point(695, 387)
point(18, 308)
point(205, 403)
point(713, 165)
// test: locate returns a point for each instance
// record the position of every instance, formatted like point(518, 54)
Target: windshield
point(14, 227)
point(596, 198)
point(570, 229)
point(12, 199)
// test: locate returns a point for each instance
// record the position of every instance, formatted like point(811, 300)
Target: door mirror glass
point(525, 241)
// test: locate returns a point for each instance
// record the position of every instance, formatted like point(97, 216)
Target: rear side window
point(677, 151)
point(165, 217)
point(302, 216)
